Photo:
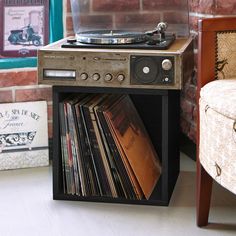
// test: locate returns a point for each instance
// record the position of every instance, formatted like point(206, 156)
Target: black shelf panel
point(83, 89)
point(109, 200)
point(159, 110)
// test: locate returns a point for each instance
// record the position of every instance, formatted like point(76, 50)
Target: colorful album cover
point(24, 26)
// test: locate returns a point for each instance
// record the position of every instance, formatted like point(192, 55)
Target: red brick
point(195, 60)
point(96, 21)
point(190, 81)
point(114, 6)
point(175, 17)
point(225, 7)
point(155, 5)
point(162, 4)
point(190, 93)
point(194, 78)
point(192, 133)
point(139, 21)
point(195, 115)
point(184, 125)
point(6, 96)
point(36, 94)
point(69, 23)
point(193, 23)
point(68, 7)
point(188, 128)
point(18, 77)
point(83, 6)
point(187, 109)
point(202, 6)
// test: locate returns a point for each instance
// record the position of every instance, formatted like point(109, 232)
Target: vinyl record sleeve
point(133, 179)
point(64, 154)
point(89, 181)
point(68, 147)
point(74, 147)
point(99, 161)
point(74, 133)
point(136, 144)
point(126, 183)
point(101, 147)
point(109, 153)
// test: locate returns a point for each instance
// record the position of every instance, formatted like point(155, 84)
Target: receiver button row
point(108, 77)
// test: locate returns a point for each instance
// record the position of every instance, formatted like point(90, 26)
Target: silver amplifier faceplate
point(110, 68)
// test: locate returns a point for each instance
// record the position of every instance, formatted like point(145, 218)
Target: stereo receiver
point(116, 67)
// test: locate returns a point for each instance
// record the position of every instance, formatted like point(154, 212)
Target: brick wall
point(21, 84)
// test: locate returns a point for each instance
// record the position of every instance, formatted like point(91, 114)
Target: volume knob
point(108, 77)
point(96, 76)
point(84, 76)
point(166, 64)
point(120, 77)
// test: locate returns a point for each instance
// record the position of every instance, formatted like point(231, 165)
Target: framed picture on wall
point(24, 25)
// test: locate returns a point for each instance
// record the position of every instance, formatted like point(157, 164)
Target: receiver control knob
point(96, 76)
point(84, 76)
point(120, 77)
point(108, 77)
point(146, 69)
point(166, 64)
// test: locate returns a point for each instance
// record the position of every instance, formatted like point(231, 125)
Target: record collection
point(105, 148)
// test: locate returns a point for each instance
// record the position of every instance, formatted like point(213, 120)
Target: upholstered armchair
point(216, 133)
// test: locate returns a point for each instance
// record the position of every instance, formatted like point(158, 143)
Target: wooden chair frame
point(206, 73)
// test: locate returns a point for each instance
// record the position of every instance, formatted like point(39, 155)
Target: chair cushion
point(220, 95)
point(217, 152)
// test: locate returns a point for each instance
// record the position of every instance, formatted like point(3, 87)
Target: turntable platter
point(111, 37)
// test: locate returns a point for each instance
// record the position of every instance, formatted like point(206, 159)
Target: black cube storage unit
point(159, 110)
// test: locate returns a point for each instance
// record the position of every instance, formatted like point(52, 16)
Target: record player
point(154, 39)
point(151, 59)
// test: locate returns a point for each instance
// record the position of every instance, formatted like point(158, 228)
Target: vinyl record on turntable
point(144, 70)
point(111, 37)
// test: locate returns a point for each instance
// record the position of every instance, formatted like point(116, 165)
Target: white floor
point(27, 208)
